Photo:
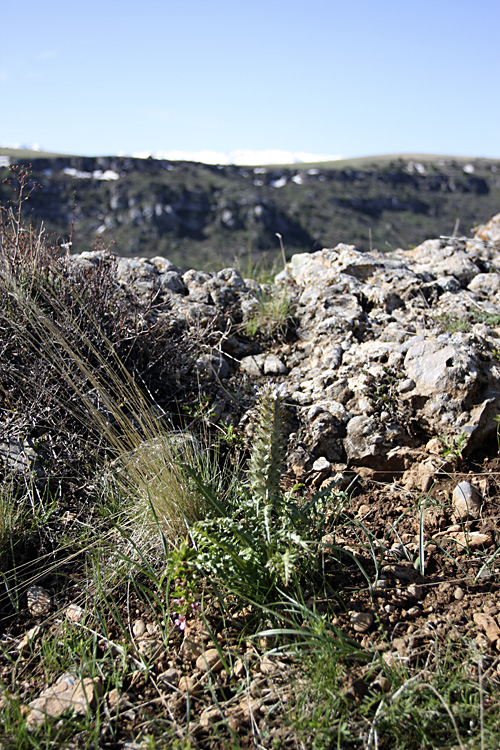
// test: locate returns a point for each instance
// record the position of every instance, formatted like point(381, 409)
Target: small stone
point(415, 591)
point(139, 628)
point(209, 661)
point(112, 699)
point(170, 677)
point(270, 666)
point(321, 465)
point(434, 446)
point(473, 539)
point(239, 668)
point(209, 715)
point(250, 365)
point(118, 701)
point(274, 366)
point(414, 611)
point(69, 691)
point(381, 684)
point(459, 594)
point(39, 601)
point(406, 385)
point(485, 573)
point(189, 686)
point(25, 644)
point(467, 501)
point(489, 625)
point(398, 550)
point(74, 613)
point(361, 621)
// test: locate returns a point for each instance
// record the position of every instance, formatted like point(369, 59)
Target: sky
point(229, 78)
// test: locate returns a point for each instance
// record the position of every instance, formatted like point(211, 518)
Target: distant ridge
point(205, 216)
point(237, 158)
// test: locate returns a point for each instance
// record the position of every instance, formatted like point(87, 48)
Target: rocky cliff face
point(205, 216)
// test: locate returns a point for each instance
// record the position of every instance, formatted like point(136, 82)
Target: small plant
point(454, 324)
point(261, 539)
point(453, 446)
point(183, 592)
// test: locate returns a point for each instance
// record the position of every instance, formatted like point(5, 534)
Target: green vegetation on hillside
point(200, 215)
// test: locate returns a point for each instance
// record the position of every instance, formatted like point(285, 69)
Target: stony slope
point(390, 364)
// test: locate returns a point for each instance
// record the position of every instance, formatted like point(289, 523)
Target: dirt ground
point(378, 593)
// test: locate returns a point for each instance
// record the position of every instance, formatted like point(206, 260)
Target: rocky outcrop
point(389, 351)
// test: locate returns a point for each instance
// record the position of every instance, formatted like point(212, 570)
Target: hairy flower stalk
point(267, 455)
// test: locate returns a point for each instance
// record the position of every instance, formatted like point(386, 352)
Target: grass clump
point(453, 323)
point(272, 314)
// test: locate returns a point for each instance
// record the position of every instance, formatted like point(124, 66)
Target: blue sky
point(348, 78)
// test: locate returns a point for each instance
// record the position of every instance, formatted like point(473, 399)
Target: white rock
point(467, 501)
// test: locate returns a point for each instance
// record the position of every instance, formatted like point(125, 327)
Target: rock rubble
point(390, 350)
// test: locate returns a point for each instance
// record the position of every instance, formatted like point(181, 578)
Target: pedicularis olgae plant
point(258, 541)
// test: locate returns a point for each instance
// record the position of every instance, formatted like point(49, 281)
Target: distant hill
point(201, 215)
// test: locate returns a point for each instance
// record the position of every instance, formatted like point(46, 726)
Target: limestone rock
point(361, 621)
point(466, 501)
point(209, 661)
point(39, 601)
point(68, 692)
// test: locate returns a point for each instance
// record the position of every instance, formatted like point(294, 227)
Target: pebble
point(208, 715)
point(459, 594)
point(488, 624)
point(467, 501)
point(398, 550)
point(414, 611)
point(68, 691)
point(171, 676)
point(406, 385)
point(239, 668)
point(209, 661)
point(139, 628)
point(189, 685)
point(361, 621)
point(473, 539)
point(29, 639)
point(415, 591)
point(75, 613)
point(321, 464)
point(382, 684)
point(39, 601)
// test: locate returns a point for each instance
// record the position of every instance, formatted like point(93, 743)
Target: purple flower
point(180, 621)
point(196, 606)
